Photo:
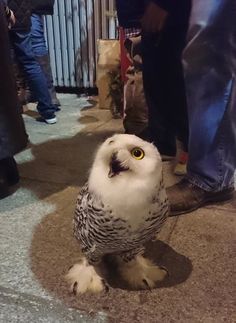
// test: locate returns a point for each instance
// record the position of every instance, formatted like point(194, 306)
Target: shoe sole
point(51, 121)
point(180, 173)
point(227, 196)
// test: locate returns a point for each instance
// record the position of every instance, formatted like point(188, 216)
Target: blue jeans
point(37, 35)
point(21, 42)
point(209, 64)
point(41, 53)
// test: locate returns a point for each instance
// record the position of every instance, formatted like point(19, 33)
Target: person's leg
point(41, 53)
point(4, 187)
point(154, 80)
point(211, 90)
point(164, 83)
point(37, 82)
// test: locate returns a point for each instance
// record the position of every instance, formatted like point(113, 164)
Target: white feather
point(129, 193)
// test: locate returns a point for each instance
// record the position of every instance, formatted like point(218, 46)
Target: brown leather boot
point(185, 197)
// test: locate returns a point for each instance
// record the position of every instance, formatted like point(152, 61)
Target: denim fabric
point(37, 35)
point(41, 53)
point(37, 82)
point(209, 64)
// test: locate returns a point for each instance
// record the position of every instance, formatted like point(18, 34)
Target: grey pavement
point(37, 245)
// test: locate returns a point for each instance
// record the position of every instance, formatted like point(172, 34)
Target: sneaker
point(181, 166)
point(51, 120)
point(185, 197)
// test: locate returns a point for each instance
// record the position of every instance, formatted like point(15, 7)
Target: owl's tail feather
point(141, 273)
point(83, 277)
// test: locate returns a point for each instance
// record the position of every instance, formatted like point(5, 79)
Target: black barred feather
point(100, 232)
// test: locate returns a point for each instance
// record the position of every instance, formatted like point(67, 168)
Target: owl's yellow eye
point(137, 153)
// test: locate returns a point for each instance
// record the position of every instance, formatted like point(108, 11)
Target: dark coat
point(22, 12)
point(13, 137)
point(130, 12)
point(42, 7)
point(179, 9)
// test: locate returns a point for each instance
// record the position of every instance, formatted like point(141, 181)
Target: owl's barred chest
point(124, 217)
point(109, 224)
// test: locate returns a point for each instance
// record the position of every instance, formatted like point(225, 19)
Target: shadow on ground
point(64, 164)
point(61, 162)
point(54, 250)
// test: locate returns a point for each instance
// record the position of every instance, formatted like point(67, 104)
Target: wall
point(71, 35)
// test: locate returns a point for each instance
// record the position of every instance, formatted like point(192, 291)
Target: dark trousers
point(164, 84)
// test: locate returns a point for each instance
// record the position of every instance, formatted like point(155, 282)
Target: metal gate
point(71, 35)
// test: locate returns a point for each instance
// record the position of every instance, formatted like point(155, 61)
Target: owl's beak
point(116, 166)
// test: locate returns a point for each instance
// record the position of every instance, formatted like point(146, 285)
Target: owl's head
point(126, 157)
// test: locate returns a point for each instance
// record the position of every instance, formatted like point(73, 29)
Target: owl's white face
point(127, 156)
point(126, 173)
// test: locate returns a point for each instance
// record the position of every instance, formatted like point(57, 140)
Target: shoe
point(51, 120)
point(167, 157)
point(185, 197)
point(181, 166)
point(4, 188)
point(9, 167)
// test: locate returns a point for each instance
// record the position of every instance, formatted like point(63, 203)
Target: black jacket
point(22, 12)
point(130, 12)
point(43, 7)
point(13, 137)
point(179, 9)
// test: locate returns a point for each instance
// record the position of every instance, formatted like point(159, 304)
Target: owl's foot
point(141, 273)
point(83, 278)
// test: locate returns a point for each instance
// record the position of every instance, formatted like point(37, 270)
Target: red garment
point(125, 62)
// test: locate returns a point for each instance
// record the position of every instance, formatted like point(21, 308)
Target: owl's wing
point(88, 216)
point(159, 208)
point(89, 207)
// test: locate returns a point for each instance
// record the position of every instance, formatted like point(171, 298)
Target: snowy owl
point(123, 205)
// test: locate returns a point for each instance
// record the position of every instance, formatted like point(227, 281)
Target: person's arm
point(8, 12)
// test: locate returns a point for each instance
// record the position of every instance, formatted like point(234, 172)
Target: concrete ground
point(37, 246)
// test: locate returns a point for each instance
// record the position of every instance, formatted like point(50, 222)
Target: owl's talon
point(147, 285)
point(83, 278)
point(75, 286)
point(142, 273)
point(106, 286)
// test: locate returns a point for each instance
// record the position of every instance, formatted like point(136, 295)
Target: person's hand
point(154, 18)
point(12, 20)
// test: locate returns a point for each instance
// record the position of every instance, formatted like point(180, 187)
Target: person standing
point(40, 8)
point(164, 29)
point(210, 76)
point(13, 137)
point(21, 41)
